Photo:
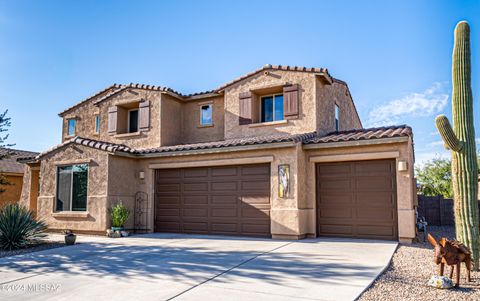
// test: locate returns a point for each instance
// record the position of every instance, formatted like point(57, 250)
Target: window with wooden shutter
point(290, 98)
point(144, 116)
point(112, 120)
point(245, 108)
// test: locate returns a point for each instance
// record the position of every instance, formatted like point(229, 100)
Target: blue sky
point(395, 56)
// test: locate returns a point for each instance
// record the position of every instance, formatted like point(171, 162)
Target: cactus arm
point(446, 132)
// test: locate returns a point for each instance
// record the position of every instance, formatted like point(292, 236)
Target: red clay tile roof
point(230, 143)
point(116, 88)
point(363, 134)
point(10, 164)
point(305, 138)
point(276, 67)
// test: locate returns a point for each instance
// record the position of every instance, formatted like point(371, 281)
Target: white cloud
point(422, 157)
point(429, 102)
point(436, 143)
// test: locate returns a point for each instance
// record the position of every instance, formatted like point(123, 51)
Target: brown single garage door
point(357, 199)
point(230, 200)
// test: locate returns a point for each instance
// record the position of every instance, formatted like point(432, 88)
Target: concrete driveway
point(196, 267)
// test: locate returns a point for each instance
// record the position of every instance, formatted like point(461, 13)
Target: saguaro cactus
point(461, 141)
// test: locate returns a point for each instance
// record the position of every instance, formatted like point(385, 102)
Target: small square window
point(206, 115)
point(271, 108)
point(97, 124)
point(337, 117)
point(71, 127)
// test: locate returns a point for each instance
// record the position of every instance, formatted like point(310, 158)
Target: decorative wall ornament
point(283, 180)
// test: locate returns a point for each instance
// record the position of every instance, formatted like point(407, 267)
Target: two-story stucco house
point(279, 152)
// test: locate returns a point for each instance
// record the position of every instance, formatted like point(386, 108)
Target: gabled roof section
point(320, 71)
point(106, 90)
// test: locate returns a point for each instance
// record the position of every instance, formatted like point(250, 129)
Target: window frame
point(128, 119)
point(71, 187)
point(74, 127)
point(97, 124)
point(273, 107)
point(210, 105)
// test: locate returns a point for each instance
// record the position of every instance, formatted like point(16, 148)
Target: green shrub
point(119, 214)
point(19, 228)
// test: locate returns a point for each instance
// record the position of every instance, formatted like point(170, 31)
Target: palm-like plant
point(19, 228)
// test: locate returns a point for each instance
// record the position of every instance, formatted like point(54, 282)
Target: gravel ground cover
point(48, 244)
point(411, 267)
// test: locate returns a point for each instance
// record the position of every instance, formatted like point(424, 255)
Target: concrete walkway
point(195, 267)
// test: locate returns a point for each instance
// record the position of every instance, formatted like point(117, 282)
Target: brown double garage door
point(229, 200)
point(357, 199)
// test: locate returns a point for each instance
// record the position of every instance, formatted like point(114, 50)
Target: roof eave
point(322, 145)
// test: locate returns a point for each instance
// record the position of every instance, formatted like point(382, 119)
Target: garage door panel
point(336, 230)
point(371, 183)
point(168, 187)
point(224, 186)
point(335, 184)
point(378, 214)
point(375, 198)
point(195, 187)
point(163, 174)
point(224, 171)
point(366, 209)
point(224, 228)
point(329, 170)
point(339, 212)
point(255, 185)
point(195, 173)
point(224, 212)
point(336, 198)
point(224, 199)
point(215, 200)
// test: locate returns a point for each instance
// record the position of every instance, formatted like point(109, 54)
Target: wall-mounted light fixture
point(141, 175)
point(402, 166)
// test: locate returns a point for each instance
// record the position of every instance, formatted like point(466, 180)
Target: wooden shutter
point(144, 116)
point(290, 101)
point(112, 120)
point(245, 108)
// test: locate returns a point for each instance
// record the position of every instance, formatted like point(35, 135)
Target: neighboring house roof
point(363, 134)
point(117, 88)
point(10, 164)
point(305, 138)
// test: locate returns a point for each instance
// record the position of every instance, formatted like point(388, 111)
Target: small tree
point(435, 178)
point(4, 124)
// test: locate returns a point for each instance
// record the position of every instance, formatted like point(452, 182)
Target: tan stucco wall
point(405, 183)
point(170, 120)
point(12, 192)
point(307, 104)
point(85, 119)
point(97, 188)
point(327, 97)
point(192, 131)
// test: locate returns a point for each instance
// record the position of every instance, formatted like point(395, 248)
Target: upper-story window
point(71, 127)
point(337, 117)
point(271, 108)
point(206, 114)
point(133, 120)
point(97, 124)
point(72, 184)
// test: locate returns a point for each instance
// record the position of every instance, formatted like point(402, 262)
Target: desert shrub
point(119, 214)
point(19, 228)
